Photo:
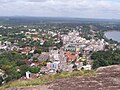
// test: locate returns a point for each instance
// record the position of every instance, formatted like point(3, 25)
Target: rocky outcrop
point(108, 78)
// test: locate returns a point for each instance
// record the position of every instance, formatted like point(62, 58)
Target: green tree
point(34, 70)
point(105, 58)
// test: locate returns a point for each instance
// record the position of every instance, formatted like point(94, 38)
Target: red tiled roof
point(70, 56)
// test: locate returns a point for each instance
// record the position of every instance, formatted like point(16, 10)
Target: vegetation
point(105, 58)
point(11, 63)
point(47, 78)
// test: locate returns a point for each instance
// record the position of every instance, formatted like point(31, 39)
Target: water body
point(114, 35)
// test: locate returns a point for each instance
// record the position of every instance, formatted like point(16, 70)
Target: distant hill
point(38, 20)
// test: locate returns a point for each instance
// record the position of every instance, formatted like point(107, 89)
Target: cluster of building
point(73, 55)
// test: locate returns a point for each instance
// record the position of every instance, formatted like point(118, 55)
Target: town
point(48, 49)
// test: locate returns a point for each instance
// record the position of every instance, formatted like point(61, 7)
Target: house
point(79, 65)
point(28, 74)
point(70, 67)
point(26, 50)
point(88, 49)
point(33, 65)
point(54, 50)
point(7, 43)
point(70, 47)
point(35, 38)
point(118, 47)
point(70, 56)
point(87, 67)
point(54, 55)
point(2, 47)
point(2, 72)
point(32, 51)
point(44, 69)
point(53, 65)
point(42, 42)
point(43, 58)
point(35, 56)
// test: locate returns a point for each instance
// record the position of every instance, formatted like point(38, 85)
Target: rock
point(108, 78)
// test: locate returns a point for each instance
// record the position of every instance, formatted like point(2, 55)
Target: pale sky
point(61, 8)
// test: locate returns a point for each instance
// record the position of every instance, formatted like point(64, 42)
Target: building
point(28, 74)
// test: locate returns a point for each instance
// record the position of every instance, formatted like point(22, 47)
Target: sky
point(105, 9)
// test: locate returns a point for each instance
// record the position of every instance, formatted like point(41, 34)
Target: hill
point(108, 78)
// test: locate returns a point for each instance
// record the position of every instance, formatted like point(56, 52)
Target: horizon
point(59, 17)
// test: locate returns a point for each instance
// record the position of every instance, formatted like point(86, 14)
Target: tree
point(105, 58)
point(34, 70)
point(24, 69)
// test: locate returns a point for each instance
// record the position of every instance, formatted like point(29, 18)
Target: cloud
point(6, 1)
point(37, 0)
point(61, 8)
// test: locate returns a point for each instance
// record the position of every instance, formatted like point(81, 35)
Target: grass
point(47, 78)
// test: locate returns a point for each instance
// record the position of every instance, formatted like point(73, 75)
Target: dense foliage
point(11, 63)
point(105, 58)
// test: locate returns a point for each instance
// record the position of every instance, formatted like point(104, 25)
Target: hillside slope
point(108, 78)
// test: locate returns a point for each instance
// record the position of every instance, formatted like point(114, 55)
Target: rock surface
point(108, 78)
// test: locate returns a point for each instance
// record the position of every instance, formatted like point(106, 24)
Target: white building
point(87, 67)
point(28, 74)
